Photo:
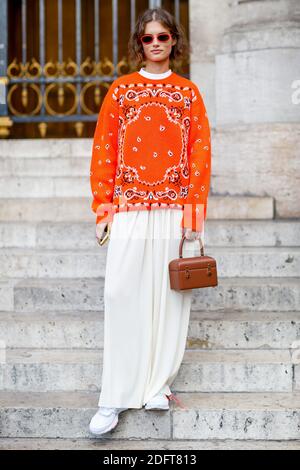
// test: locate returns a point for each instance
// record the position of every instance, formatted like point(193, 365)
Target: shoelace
point(176, 399)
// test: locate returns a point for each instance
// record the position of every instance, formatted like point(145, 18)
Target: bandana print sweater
point(151, 148)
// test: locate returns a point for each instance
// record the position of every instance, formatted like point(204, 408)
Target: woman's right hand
point(100, 230)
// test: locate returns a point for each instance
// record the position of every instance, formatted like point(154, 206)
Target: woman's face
point(164, 48)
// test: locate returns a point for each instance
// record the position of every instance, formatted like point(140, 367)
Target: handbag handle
point(181, 246)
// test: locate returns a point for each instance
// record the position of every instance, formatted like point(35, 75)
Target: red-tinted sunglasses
point(162, 37)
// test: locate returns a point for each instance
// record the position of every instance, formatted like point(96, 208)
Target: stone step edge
point(31, 281)
point(68, 356)
point(52, 443)
point(95, 251)
point(262, 222)
point(195, 315)
point(212, 250)
point(276, 401)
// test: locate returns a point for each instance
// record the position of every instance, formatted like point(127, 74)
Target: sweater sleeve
point(199, 155)
point(104, 157)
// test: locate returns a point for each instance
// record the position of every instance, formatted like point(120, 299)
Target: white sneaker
point(160, 401)
point(105, 420)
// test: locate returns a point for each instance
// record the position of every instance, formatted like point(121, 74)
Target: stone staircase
point(240, 376)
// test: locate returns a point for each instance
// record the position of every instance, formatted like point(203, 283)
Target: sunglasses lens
point(163, 37)
point(147, 39)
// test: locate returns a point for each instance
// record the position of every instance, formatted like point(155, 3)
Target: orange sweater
point(151, 148)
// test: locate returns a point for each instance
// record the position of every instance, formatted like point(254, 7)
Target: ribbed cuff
point(104, 212)
point(194, 215)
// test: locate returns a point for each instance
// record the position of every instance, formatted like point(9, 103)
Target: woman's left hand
point(191, 235)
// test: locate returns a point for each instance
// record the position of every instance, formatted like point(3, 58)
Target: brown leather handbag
point(194, 272)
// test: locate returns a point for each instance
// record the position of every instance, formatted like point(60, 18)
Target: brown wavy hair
point(180, 51)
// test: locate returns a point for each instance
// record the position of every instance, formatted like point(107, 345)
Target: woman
point(150, 176)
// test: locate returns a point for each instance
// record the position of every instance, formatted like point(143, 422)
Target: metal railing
point(44, 79)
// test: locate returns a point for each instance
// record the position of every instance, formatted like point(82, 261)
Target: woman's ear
point(174, 41)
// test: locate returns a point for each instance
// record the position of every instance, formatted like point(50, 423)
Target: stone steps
point(223, 233)
point(90, 263)
point(251, 294)
point(217, 416)
point(41, 187)
point(61, 166)
point(240, 375)
point(42, 370)
point(207, 330)
point(105, 443)
point(36, 148)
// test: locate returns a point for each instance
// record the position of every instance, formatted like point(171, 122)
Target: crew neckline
point(155, 76)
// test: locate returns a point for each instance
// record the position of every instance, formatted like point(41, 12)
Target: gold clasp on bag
point(187, 273)
point(209, 272)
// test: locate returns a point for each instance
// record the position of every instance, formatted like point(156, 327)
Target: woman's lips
point(156, 52)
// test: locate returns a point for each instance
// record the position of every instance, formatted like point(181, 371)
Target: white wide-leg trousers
point(145, 321)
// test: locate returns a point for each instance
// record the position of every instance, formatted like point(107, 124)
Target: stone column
point(257, 86)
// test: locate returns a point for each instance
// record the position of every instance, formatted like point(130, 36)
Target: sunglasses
point(162, 37)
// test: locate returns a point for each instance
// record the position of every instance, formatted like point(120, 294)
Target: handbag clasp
point(187, 273)
point(209, 273)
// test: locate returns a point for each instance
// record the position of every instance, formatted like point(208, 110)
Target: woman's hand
point(100, 229)
point(191, 235)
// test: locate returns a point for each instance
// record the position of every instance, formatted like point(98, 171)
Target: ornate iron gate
point(43, 91)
